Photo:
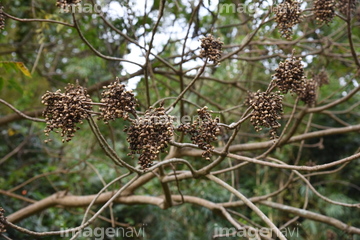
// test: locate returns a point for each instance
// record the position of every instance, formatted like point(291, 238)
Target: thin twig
point(100, 192)
point(252, 206)
point(77, 27)
point(37, 20)
point(107, 148)
point(20, 113)
point(189, 85)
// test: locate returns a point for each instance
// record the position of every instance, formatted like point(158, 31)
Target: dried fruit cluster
point(267, 110)
point(2, 17)
point(116, 102)
point(64, 4)
point(324, 10)
point(2, 220)
point(287, 15)
point(149, 135)
point(308, 95)
point(66, 110)
point(211, 48)
point(203, 131)
point(289, 76)
point(343, 6)
point(321, 78)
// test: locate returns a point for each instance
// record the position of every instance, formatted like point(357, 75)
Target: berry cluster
point(308, 95)
point(321, 78)
point(287, 15)
point(64, 4)
point(2, 17)
point(203, 131)
point(267, 110)
point(149, 135)
point(65, 110)
point(343, 6)
point(116, 102)
point(211, 48)
point(324, 10)
point(2, 220)
point(290, 75)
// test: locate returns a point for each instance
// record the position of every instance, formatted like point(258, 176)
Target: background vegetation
point(306, 180)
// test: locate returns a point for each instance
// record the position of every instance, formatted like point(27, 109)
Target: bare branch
point(313, 216)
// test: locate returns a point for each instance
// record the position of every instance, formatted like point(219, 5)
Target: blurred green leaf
point(19, 66)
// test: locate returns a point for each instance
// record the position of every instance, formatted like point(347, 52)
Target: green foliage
point(59, 56)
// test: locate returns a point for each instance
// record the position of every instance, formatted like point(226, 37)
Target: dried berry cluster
point(267, 110)
point(149, 135)
point(308, 95)
point(64, 4)
point(343, 6)
point(211, 48)
point(288, 14)
point(65, 110)
point(203, 131)
point(324, 10)
point(116, 102)
point(2, 17)
point(2, 220)
point(290, 76)
point(321, 78)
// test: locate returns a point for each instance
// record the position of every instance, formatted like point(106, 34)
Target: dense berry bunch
point(321, 78)
point(2, 17)
point(64, 4)
point(324, 10)
point(290, 75)
point(211, 48)
point(308, 95)
point(343, 6)
point(203, 131)
point(288, 14)
point(65, 110)
point(149, 135)
point(2, 220)
point(116, 102)
point(267, 110)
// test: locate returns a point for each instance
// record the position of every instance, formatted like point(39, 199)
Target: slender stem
point(81, 35)
point(117, 194)
point(99, 193)
point(249, 204)
point(107, 148)
point(20, 113)
point(147, 63)
point(188, 86)
point(37, 20)
point(348, 21)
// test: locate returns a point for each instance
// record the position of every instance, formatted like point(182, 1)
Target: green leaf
point(156, 5)
point(59, 27)
point(15, 85)
point(17, 66)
